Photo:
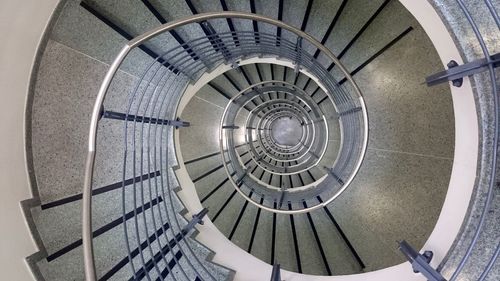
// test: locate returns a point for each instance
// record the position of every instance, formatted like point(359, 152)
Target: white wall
point(21, 27)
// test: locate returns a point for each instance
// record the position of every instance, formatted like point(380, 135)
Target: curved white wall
point(455, 206)
point(21, 26)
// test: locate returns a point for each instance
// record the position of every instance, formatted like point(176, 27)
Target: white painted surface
point(455, 206)
point(21, 26)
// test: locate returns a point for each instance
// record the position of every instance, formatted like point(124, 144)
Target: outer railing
point(455, 74)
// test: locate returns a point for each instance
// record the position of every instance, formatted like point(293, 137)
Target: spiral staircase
point(296, 134)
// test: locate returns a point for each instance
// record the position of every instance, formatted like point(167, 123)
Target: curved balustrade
point(148, 137)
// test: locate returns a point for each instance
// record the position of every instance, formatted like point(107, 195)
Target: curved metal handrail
point(494, 144)
point(90, 270)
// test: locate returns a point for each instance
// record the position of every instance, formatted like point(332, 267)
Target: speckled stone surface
point(404, 114)
point(63, 104)
point(81, 31)
point(421, 162)
point(393, 197)
point(470, 50)
point(389, 24)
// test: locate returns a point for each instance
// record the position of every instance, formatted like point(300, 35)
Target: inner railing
point(149, 108)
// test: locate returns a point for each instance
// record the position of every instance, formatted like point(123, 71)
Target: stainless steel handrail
point(90, 270)
point(494, 144)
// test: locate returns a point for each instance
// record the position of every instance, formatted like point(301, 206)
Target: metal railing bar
point(350, 111)
point(456, 73)
point(490, 264)
point(143, 119)
point(162, 128)
point(231, 81)
point(275, 274)
point(207, 29)
point(141, 273)
point(141, 93)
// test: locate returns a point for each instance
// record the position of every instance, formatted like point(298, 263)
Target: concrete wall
point(21, 26)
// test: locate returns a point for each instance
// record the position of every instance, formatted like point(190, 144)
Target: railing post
point(276, 273)
point(420, 263)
